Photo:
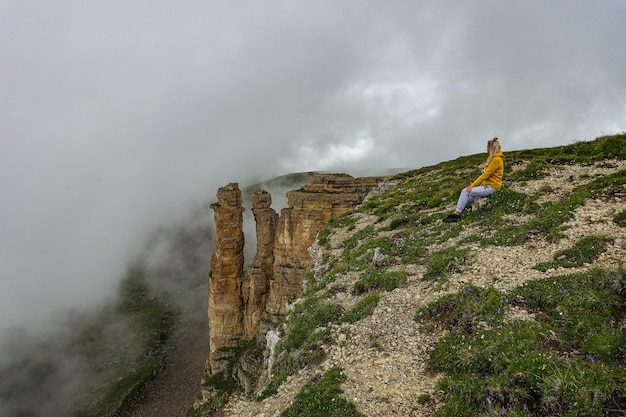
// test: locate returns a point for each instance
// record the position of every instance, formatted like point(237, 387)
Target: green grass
point(570, 361)
point(308, 317)
point(550, 218)
point(535, 170)
point(152, 321)
point(114, 351)
point(365, 307)
point(345, 221)
point(445, 262)
point(209, 407)
point(308, 327)
point(227, 382)
point(322, 398)
point(527, 367)
point(379, 280)
point(272, 387)
point(620, 218)
point(508, 201)
point(584, 251)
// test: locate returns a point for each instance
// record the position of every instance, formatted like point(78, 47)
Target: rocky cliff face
point(255, 287)
point(225, 301)
point(323, 198)
point(244, 304)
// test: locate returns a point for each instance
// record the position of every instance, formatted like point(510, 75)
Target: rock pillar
point(255, 286)
point(225, 304)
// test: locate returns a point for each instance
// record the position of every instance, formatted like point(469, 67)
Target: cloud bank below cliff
point(116, 116)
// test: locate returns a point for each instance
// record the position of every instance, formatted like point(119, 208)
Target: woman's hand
point(469, 189)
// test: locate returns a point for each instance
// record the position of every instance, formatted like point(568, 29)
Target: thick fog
point(117, 116)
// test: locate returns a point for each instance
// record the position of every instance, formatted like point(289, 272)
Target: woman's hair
point(493, 147)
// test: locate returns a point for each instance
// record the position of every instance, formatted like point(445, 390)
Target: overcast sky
point(118, 115)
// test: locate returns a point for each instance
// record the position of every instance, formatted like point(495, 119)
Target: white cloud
point(333, 156)
point(116, 115)
point(407, 102)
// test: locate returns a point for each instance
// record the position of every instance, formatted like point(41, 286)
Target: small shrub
point(206, 409)
point(465, 309)
point(223, 383)
point(620, 218)
point(379, 280)
point(272, 387)
point(302, 329)
point(535, 170)
point(398, 222)
point(322, 235)
point(362, 309)
point(445, 262)
point(508, 201)
point(352, 242)
point(323, 398)
point(424, 399)
point(584, 251)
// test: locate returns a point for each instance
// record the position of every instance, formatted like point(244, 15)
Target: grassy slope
point(566, 359)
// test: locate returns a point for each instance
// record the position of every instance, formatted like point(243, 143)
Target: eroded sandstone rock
point(225, 303)
point(255, 287)
point(239, 303)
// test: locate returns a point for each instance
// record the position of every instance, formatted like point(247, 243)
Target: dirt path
point(175, 389)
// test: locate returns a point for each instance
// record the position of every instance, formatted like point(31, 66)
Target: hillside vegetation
point(97, 362)
point(519, 309)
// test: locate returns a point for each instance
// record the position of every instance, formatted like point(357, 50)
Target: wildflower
point(503, 411)
point(469, 290)
point(524, 406)
point(488, 399)
point(591, 358)
point(521, 355)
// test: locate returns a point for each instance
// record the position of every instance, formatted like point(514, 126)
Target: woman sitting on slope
point(485, 185)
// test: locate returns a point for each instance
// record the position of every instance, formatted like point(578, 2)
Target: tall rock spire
point(255, 286)
point(225, 304)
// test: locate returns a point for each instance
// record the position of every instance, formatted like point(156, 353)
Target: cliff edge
point(519, 309)
point(245, 304)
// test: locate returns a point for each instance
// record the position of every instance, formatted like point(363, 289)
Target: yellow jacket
point(493, 173)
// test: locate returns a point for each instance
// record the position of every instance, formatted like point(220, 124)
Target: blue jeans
point(465, 199)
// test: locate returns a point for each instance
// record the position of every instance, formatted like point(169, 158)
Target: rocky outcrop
point(323, 198)
point(243, 305)
point(225, 302)
point(255, 285)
